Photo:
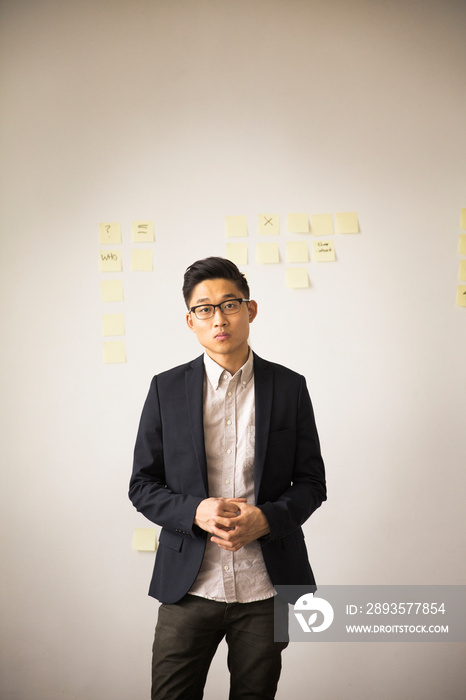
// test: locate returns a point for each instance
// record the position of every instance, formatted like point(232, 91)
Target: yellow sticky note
point(142, 260)
point(268, 224)
point(297, 251)
point(297, 223)
point(347, 222)
point(463, 219)
point(110, 261)
point(144, 539)
point(113, 324)
point(463, 270)
point(297, 277)
point(109, 233)
point(111, 290)
point(322, 224)
point(114, 351)
point(268, 253)
point(237, 253)
point(142, 231)
point(236, 226)
point(461, 295)
point(323, 251)
point(462, 243)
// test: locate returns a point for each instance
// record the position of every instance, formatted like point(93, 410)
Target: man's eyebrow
point(207, 299)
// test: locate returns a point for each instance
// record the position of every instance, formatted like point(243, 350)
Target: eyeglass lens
point(231, 306)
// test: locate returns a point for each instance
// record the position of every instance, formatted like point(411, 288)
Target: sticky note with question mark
point(109, 233)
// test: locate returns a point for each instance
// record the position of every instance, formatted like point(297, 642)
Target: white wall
point(182, 112)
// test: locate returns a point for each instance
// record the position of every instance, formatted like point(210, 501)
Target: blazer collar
point(263, 395)
point(194, 381)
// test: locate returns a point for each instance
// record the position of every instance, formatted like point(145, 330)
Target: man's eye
point(230, 305)
point(203, 310)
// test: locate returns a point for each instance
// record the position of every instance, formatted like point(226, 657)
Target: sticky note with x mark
point(268, 224)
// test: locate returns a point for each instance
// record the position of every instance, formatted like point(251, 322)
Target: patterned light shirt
point(229, 426)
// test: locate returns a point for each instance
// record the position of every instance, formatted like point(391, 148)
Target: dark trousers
point(186, 638)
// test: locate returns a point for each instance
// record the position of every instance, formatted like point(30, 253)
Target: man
point(227, 461)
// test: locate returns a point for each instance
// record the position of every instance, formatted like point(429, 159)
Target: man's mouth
point(222, 336)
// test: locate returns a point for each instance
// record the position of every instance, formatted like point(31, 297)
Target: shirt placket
point(228, 477)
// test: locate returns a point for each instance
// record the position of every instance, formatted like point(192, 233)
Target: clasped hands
point(232, 522)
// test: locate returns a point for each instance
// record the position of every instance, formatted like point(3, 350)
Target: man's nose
point(219, 316)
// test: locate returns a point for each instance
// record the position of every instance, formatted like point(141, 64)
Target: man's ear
point(189, 321)
point(252, 310)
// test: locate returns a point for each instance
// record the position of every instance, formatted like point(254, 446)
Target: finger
point(237, 521)
point(221, 534)
point(228, 513)
point(223, 544)
point(228, 547)
point(230, 507)
point(223, 522)
point(230, 540)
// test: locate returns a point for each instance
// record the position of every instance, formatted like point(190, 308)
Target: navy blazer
point(169, 477)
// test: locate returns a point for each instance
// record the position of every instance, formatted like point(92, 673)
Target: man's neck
point(231, 363)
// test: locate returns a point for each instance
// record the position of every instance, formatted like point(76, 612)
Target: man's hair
point(212, 269)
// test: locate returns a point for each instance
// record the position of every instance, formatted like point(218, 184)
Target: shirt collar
point(215, 372)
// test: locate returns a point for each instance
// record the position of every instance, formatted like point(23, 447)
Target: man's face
point(224, 337)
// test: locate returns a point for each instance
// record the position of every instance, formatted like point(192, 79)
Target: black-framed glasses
point(229, 307)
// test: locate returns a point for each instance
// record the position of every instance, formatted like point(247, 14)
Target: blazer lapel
point(194, 396)
point(263, 387)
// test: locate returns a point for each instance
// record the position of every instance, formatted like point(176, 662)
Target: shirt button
point(225, 376)
point(228, 422)
point(227, 481)
point(227, 568)
point(228, 452)
point(244, 383)
point(229, 393)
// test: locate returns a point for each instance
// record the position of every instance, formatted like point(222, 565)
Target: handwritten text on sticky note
point(109, 234)
point(110, 261)
point(268, 225)
point(323, 251)
point(142, 231)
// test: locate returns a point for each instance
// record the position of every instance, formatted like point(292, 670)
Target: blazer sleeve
point(148, 490)
point(306, 490)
